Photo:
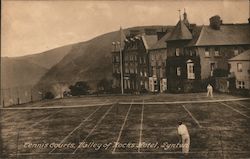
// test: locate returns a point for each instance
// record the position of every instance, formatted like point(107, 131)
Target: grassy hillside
point(27, 70)
point(87, 61)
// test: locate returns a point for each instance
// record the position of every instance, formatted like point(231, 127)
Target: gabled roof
point(245, 56)
point(180, 32)
point(149, 40)
point(161, 44)
point(196, 34)
point(228, 34)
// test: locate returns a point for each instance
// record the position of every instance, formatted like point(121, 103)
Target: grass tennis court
point(127, 126)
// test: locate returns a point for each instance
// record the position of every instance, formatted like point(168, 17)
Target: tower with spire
point(185, 19)
point(179, 64)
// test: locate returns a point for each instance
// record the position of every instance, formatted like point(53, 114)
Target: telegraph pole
point(120, 49)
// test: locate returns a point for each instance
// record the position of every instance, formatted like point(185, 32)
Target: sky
point(30, 27)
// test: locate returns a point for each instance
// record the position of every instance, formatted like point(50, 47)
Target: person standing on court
point(185, 138)
point(209, 90)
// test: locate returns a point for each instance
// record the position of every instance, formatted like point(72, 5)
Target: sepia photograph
point(125, 79)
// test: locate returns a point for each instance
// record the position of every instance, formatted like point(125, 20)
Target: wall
point(226, 52)
point(241, 76)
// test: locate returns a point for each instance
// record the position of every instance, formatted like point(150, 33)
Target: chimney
point(215, 22)
point(161, 33)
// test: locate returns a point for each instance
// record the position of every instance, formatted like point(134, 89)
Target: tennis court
point(127, 126)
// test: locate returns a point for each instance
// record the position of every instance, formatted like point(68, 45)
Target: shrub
point(104, 86)
point(80, 88)
point(220, 73)
point(49, 95)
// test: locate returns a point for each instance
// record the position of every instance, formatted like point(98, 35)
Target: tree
point(49, 95)
point(80, 88)
point(220, 73)
point(104, 86)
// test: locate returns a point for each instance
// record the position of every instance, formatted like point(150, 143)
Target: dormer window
point(177, 52)
point(207, 53)
point(216, 52)
point(236, 52)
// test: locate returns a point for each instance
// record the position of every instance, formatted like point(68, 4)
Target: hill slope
point(87, 61)
point(27, 70)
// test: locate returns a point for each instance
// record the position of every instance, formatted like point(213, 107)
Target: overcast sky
point(30, 27)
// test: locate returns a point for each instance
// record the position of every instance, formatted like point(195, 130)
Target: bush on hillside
point(80, 88)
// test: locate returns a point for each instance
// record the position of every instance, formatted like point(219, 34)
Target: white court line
point(197, 122)
point(55, 107)
point(124, 122)
point(100, 120)
point(65, 138)
point(141, 128)
point(235, 110)
point(187, 102)
point(43, 119)
point(242, 105)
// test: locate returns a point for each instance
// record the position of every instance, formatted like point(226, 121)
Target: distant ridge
point(27, 70)
point(87, 61)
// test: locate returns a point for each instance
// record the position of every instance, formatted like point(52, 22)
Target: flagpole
point(121, 60)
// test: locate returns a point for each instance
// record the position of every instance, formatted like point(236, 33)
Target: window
point(135, 58)
point(131, 58)
point(161, 73)
point(153, 57)
point(236, 52)
point(191, 53)
point(212, 67)
point(114, 69)
point(141, 73)
point(207, 53)
point(131, 70)
point(216, 52)
point(117, 58)
point(241, 84)
point(125, 84)
point(144, 59)
point(177, 52)
point(154, 71)
point(118, 70)
point(140, 60)
point(178, 71)
point(146, 85)
point(126, 70)
point(126, 58)
point(142, 83)
point(114, 58)
point(229, 66)
point(239, 67)
point(190, 70)
point(145, 73)
point(128, 84)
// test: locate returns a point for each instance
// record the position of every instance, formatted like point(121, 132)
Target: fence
point(19, 95)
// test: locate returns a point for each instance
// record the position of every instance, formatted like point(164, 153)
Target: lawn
point(127, 127)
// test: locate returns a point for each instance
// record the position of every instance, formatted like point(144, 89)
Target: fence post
point(31, 96)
